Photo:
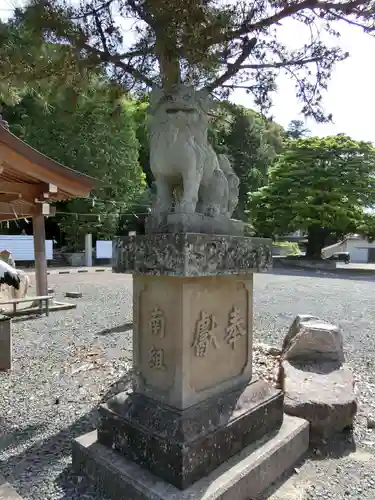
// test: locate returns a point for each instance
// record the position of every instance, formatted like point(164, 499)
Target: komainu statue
point(190, 177)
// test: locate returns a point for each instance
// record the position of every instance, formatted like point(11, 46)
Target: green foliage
point(140, 115)
point(367, 228)
point(212, 44)
point(319, 184)
point(297, 130)
point(94, 136)
point(31, 66)
point(289, 247)
point(252, 144)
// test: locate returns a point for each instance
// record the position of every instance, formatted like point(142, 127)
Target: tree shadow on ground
point(341, 444)
point(11, 435)
point(117, 329)
point(49, 452)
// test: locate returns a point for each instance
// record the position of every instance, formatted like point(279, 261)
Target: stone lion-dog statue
point(189, 176)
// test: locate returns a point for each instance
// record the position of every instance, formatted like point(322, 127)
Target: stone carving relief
point(236, 327)
point(156, 358)
point(190, 177)
point(157, 323)
point(205, 331)
point(192, 255)
point(157, 329)
point(205, 334)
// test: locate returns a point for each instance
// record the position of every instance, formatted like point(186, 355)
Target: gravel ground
point(66, 364)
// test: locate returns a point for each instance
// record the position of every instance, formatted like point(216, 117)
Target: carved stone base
point(183, 446)
point(191, 254)
point(195, 223)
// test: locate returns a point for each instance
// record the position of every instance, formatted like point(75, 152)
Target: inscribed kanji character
point(204, 334)
point(235, 328)
point(156, 358)
point(157, 323)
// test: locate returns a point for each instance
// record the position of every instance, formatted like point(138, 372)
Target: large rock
point(312, 339)
point(320, 392)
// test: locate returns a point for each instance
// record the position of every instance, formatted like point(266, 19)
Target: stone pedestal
point(194, 404)
point(192, 336)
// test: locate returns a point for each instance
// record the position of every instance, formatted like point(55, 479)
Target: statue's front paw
point(211, 211)
point(185, 208)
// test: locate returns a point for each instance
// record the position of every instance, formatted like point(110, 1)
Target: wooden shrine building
point(29, 183)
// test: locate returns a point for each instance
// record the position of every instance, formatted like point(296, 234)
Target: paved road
point(353, 265)
point(69, 270)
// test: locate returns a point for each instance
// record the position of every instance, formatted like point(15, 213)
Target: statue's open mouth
point(178, 110)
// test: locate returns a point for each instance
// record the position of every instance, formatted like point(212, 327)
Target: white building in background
point(22, 247)
point(361, 250)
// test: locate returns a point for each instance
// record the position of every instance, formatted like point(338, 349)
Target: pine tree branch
point(281, 64)
point(233, 68)
point(248, 27)
point(145, 16)
point(134, 53)
point(128, 68)
point(365, 28)
point(101, 33)
point(93, 12)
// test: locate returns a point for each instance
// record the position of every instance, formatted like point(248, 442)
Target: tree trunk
point(169, 64)
point(316, 241)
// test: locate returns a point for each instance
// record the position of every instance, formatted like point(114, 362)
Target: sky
point(350, 92)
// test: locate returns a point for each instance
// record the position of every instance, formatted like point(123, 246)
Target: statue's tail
point(225, 165)
point(233, 182)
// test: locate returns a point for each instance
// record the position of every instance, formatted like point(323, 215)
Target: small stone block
point(322, 393)
point(5, 343)
point(184, 446)
point(191, 254)
point(73, 295)
point(246, 475)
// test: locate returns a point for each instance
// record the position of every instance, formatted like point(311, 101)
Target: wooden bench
point(41, 299)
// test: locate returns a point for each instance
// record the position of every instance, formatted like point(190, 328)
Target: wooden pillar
point(40, 255)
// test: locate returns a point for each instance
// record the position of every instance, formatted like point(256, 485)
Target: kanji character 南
point(157, 323)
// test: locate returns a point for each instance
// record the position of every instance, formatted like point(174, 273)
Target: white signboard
point(22, 247)
point(103, 249)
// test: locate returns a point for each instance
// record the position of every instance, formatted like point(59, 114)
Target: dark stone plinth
point(191, 254)
point(246, 475)
point(183, 446)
